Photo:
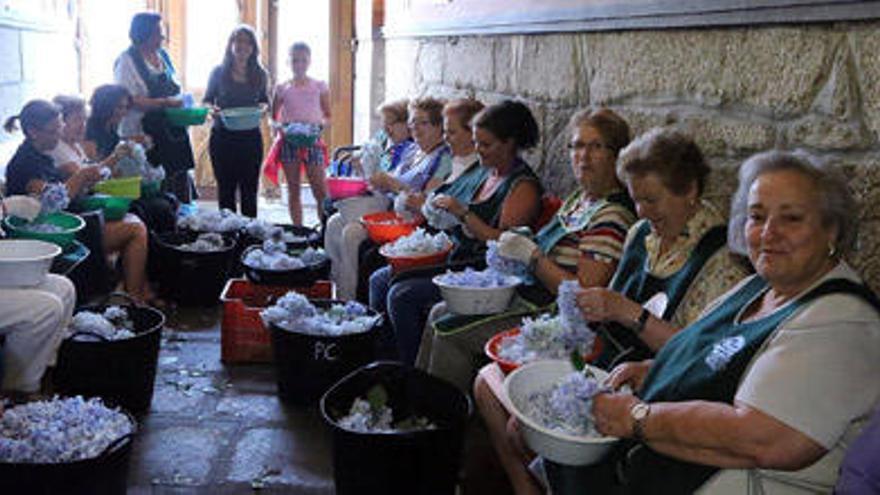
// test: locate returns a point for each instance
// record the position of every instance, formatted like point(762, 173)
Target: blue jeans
point(407, 304)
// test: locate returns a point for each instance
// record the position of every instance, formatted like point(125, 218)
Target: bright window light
point(208, 25)
point(304, 21)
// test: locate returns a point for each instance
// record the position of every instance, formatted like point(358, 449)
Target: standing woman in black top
point(240, 81)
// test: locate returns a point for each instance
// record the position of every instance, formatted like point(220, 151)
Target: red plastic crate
point(243, 339)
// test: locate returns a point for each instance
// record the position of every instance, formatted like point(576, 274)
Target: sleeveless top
point(633, 280)
point(489, 210)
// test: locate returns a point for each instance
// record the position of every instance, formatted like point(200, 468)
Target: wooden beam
point(341, 84)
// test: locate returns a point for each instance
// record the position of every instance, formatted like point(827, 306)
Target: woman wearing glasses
point(675, 262)
point(584, 241)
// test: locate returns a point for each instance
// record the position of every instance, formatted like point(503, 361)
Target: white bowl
point(477, 300)
point(25, 262)
point(558, 447)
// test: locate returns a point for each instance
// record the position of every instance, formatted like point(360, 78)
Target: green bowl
point(114, 208)
point(126, 187)
point(150, 189)
point(186, 116)
point(69, 222)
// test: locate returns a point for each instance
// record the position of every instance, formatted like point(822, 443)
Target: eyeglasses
point(591, 147)
point(419, 123)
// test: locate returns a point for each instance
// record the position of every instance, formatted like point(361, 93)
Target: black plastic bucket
point(106, 474)
point(300, 277)
point(307, 365)
point(415, 462)
point(192, 278)
point(121, 372)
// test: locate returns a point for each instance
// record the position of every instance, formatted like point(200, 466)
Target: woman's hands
point(414, 201)
point(383, 182)
point(611, 413)
point(600, 304)
point(450, 204)
point(632, 374)
point(516, 247)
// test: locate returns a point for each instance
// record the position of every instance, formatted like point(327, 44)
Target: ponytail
point(35, 115)
point(9, 125)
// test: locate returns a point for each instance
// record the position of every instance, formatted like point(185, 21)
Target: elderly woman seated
point(765, 390)
point(427, 168)
point(584, 240)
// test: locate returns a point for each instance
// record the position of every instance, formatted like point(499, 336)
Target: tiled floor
point(221, 429)
point(218, 429)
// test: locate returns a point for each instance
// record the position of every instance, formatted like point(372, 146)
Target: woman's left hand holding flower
point(600, 304)
point(450, 204)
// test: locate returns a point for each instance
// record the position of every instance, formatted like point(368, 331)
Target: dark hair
point(104, 101)
point(463, 110)
point(256, 74)
point(143, 24)
point(835, 202)
point(69, 105)
point(614, 130)
point(300, 46)
point(670, 154)
point(509, 120)
point(34, 115)
point(432, 106)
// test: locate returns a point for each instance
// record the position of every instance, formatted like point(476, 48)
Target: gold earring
point(832, 250)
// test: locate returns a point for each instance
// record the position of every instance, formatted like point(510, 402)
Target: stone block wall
point(736, 90)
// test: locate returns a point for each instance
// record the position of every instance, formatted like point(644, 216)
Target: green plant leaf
point(377, 396)
point(577, 360)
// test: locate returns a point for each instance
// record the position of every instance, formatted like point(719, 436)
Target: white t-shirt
point(125, 73)
point(818, 373)
point(65, 153)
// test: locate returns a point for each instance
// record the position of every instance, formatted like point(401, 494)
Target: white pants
point(343, 236)
point(341, 242)
point(33, 319)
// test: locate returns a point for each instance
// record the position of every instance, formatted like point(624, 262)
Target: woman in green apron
point(584, 239)
point(675, 261)
point(765, 390)
point(145, 69)
point(502, 193)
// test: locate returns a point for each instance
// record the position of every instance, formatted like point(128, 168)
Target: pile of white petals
point(59, 430)
point(273, 256)
point(205, 243)
point(364, 418)
point(418, 243)
point(113, 324)
point(565, 406)
point(213, 221)
point(295, 313)
point(469, 277)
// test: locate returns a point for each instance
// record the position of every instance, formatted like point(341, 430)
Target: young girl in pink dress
point(302, 100)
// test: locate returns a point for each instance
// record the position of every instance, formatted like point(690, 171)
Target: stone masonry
point(736, 90)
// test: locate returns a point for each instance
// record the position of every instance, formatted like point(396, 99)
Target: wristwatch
point(639, 413)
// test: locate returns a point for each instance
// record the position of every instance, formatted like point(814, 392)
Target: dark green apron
point(534, 298)
point(634, 281)
point(171, 147)
point(705, 361)
point(489, 211)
